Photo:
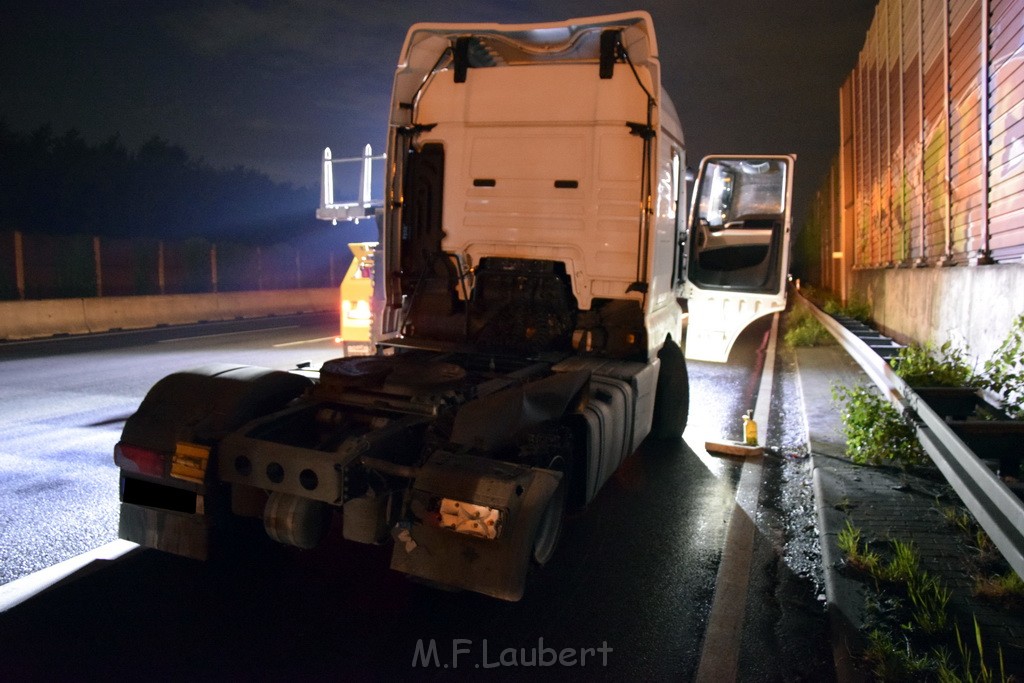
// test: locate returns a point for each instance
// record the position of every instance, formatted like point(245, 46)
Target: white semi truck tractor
point(534, 246)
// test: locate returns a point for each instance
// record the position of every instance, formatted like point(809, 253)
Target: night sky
point(267, 85)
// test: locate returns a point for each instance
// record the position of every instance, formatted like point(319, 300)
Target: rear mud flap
point(173, 532)
point(495, 567)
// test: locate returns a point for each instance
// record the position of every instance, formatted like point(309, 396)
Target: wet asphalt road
point(62, 408)
point(627, 596)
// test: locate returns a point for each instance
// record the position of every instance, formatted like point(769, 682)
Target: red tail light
point(140, 460)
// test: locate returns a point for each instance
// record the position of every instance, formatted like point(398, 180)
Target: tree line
point(60, 184)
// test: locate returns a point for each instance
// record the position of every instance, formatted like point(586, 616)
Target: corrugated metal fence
point(931, 164)
point(34, 266)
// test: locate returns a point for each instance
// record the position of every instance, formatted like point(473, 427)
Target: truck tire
point(672, 396)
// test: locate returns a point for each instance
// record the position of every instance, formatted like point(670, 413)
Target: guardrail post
point(259, 268)
point(97, 258)
point(213, 268)
point(19, 264)
point(160, 277)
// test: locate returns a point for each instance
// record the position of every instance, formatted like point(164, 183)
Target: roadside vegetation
point(876, 432)
point(1004, 371)
point(803, 329)
point(61, 184)
point(994, 580)
point(912, 631)
point(926, 365)
point(910, 634)
point(854, 308)
point(950, 365)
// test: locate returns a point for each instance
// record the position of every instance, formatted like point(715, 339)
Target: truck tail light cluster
point(188, 462)
point(139, 460)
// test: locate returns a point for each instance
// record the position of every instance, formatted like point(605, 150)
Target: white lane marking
point(719, 660)
point(304, 341)
point(20, 590)
point(226, 334)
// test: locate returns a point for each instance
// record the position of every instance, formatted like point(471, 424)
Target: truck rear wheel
point(296, 521)
point(672, 396)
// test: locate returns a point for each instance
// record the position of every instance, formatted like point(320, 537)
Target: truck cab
point(573, 185)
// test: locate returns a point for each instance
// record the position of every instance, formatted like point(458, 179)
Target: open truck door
point(736, 255)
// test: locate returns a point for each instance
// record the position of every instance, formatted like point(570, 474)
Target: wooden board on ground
point(732, 448)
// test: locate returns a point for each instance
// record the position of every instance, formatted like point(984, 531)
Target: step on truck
point(533, 246)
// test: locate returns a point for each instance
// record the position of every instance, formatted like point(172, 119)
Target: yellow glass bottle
point(749, 430)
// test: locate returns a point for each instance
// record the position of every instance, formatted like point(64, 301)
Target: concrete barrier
point(966, 305)
point(46, 318)
point(28, 319)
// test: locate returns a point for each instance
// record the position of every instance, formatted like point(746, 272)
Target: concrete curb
point(844, 597)
point(826, 442)
point(46, 318)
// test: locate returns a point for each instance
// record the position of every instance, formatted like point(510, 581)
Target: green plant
point(803, 329)
point(857, 554)
point(905, 563)
point(982, 542)
point(1006, 588)
point(849, 540)
point(927, 366)
point(876, 433)
point(967, 673)
point(898, 628)
point(1004, 371)
point(959, 518)
point(854, 308)
point(892, 662)
point(927, 594)
point(930, 600)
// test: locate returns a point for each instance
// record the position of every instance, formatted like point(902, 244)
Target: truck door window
point(739, 224)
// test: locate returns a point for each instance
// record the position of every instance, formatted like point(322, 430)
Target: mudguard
point(495, 567)
point(204, 404)
point(198, 406)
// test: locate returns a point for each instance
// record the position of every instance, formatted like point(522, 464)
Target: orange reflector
point(189, 461)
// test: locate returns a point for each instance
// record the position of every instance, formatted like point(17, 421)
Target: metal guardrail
point(999, 512)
